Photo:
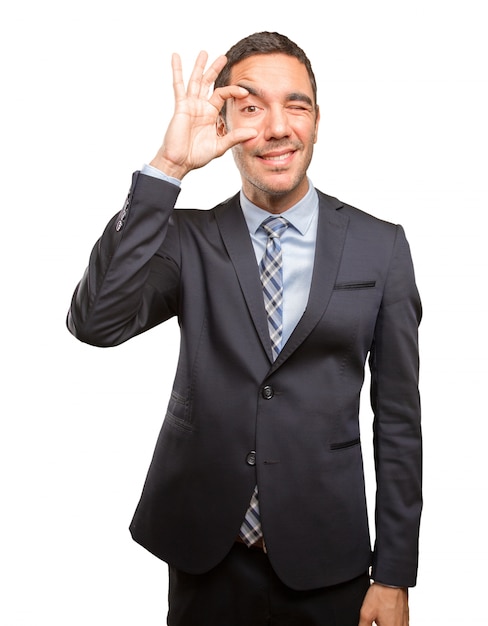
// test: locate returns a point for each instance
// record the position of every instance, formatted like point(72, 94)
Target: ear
point(221, 126)
point(317, 120)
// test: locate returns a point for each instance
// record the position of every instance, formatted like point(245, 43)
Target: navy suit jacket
point(236, 419)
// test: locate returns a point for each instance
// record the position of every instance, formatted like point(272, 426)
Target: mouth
point(281, 157)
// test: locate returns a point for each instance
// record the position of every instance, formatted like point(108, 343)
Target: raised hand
point(191, 140)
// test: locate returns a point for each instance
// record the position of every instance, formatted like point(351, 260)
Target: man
point(255, 495)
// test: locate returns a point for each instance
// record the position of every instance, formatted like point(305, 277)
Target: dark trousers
point(243, 590)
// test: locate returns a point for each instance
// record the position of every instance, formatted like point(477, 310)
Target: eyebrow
point(294, 96)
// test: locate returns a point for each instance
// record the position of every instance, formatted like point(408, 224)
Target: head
point(281, 106)
point(264, 43)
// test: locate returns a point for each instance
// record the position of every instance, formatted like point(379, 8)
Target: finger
point(195, 82)
point(178, 84)
point(214, 70)
point(236, 136)
point(364, 621)
point(222, 94)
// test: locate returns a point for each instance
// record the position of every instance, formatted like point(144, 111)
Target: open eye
point(251, 108)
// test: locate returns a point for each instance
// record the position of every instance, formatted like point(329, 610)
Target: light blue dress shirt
point(297, 248)
point(297, 245)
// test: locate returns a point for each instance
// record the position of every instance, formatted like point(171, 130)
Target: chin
point(280, 187)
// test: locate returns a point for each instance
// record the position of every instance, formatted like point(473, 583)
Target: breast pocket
point(364, 284)
point(352, 313)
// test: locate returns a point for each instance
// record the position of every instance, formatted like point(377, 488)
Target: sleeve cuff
point(149, 170)
point(377, 582)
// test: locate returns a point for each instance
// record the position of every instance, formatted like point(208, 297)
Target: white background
point(86, 98)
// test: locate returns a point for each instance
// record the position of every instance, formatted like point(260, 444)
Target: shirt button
point(267, 392)
point(251, 458)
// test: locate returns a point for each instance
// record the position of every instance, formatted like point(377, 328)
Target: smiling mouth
point(277, 157)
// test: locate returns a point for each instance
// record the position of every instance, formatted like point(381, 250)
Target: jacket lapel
point(331, 234)
point(234, 232)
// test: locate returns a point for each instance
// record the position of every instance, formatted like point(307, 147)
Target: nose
point(277, 125)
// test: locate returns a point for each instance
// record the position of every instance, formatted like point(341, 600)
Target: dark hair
point(264, 43)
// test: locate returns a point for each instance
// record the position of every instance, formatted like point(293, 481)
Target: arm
point(116, 298)
point(131, 282)
point(394, 363)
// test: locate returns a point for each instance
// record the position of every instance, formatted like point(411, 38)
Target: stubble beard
point(254, 180)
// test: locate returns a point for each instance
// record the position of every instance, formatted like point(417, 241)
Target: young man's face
point(281, 107)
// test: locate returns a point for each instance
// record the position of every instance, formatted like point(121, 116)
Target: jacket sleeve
point(131, 282)
point(395, 400)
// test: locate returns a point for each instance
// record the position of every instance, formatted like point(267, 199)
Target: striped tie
point(271, 272)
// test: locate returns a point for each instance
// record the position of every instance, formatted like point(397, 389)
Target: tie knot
point(275, 226)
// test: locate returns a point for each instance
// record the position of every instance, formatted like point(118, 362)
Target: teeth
point(280, 157)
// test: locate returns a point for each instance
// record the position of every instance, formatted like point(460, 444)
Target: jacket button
point(267, 392)
point(251, 458)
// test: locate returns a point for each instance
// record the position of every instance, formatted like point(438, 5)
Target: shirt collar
point(300, 215)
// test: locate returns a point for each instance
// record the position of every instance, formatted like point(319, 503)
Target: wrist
point(168, 167)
